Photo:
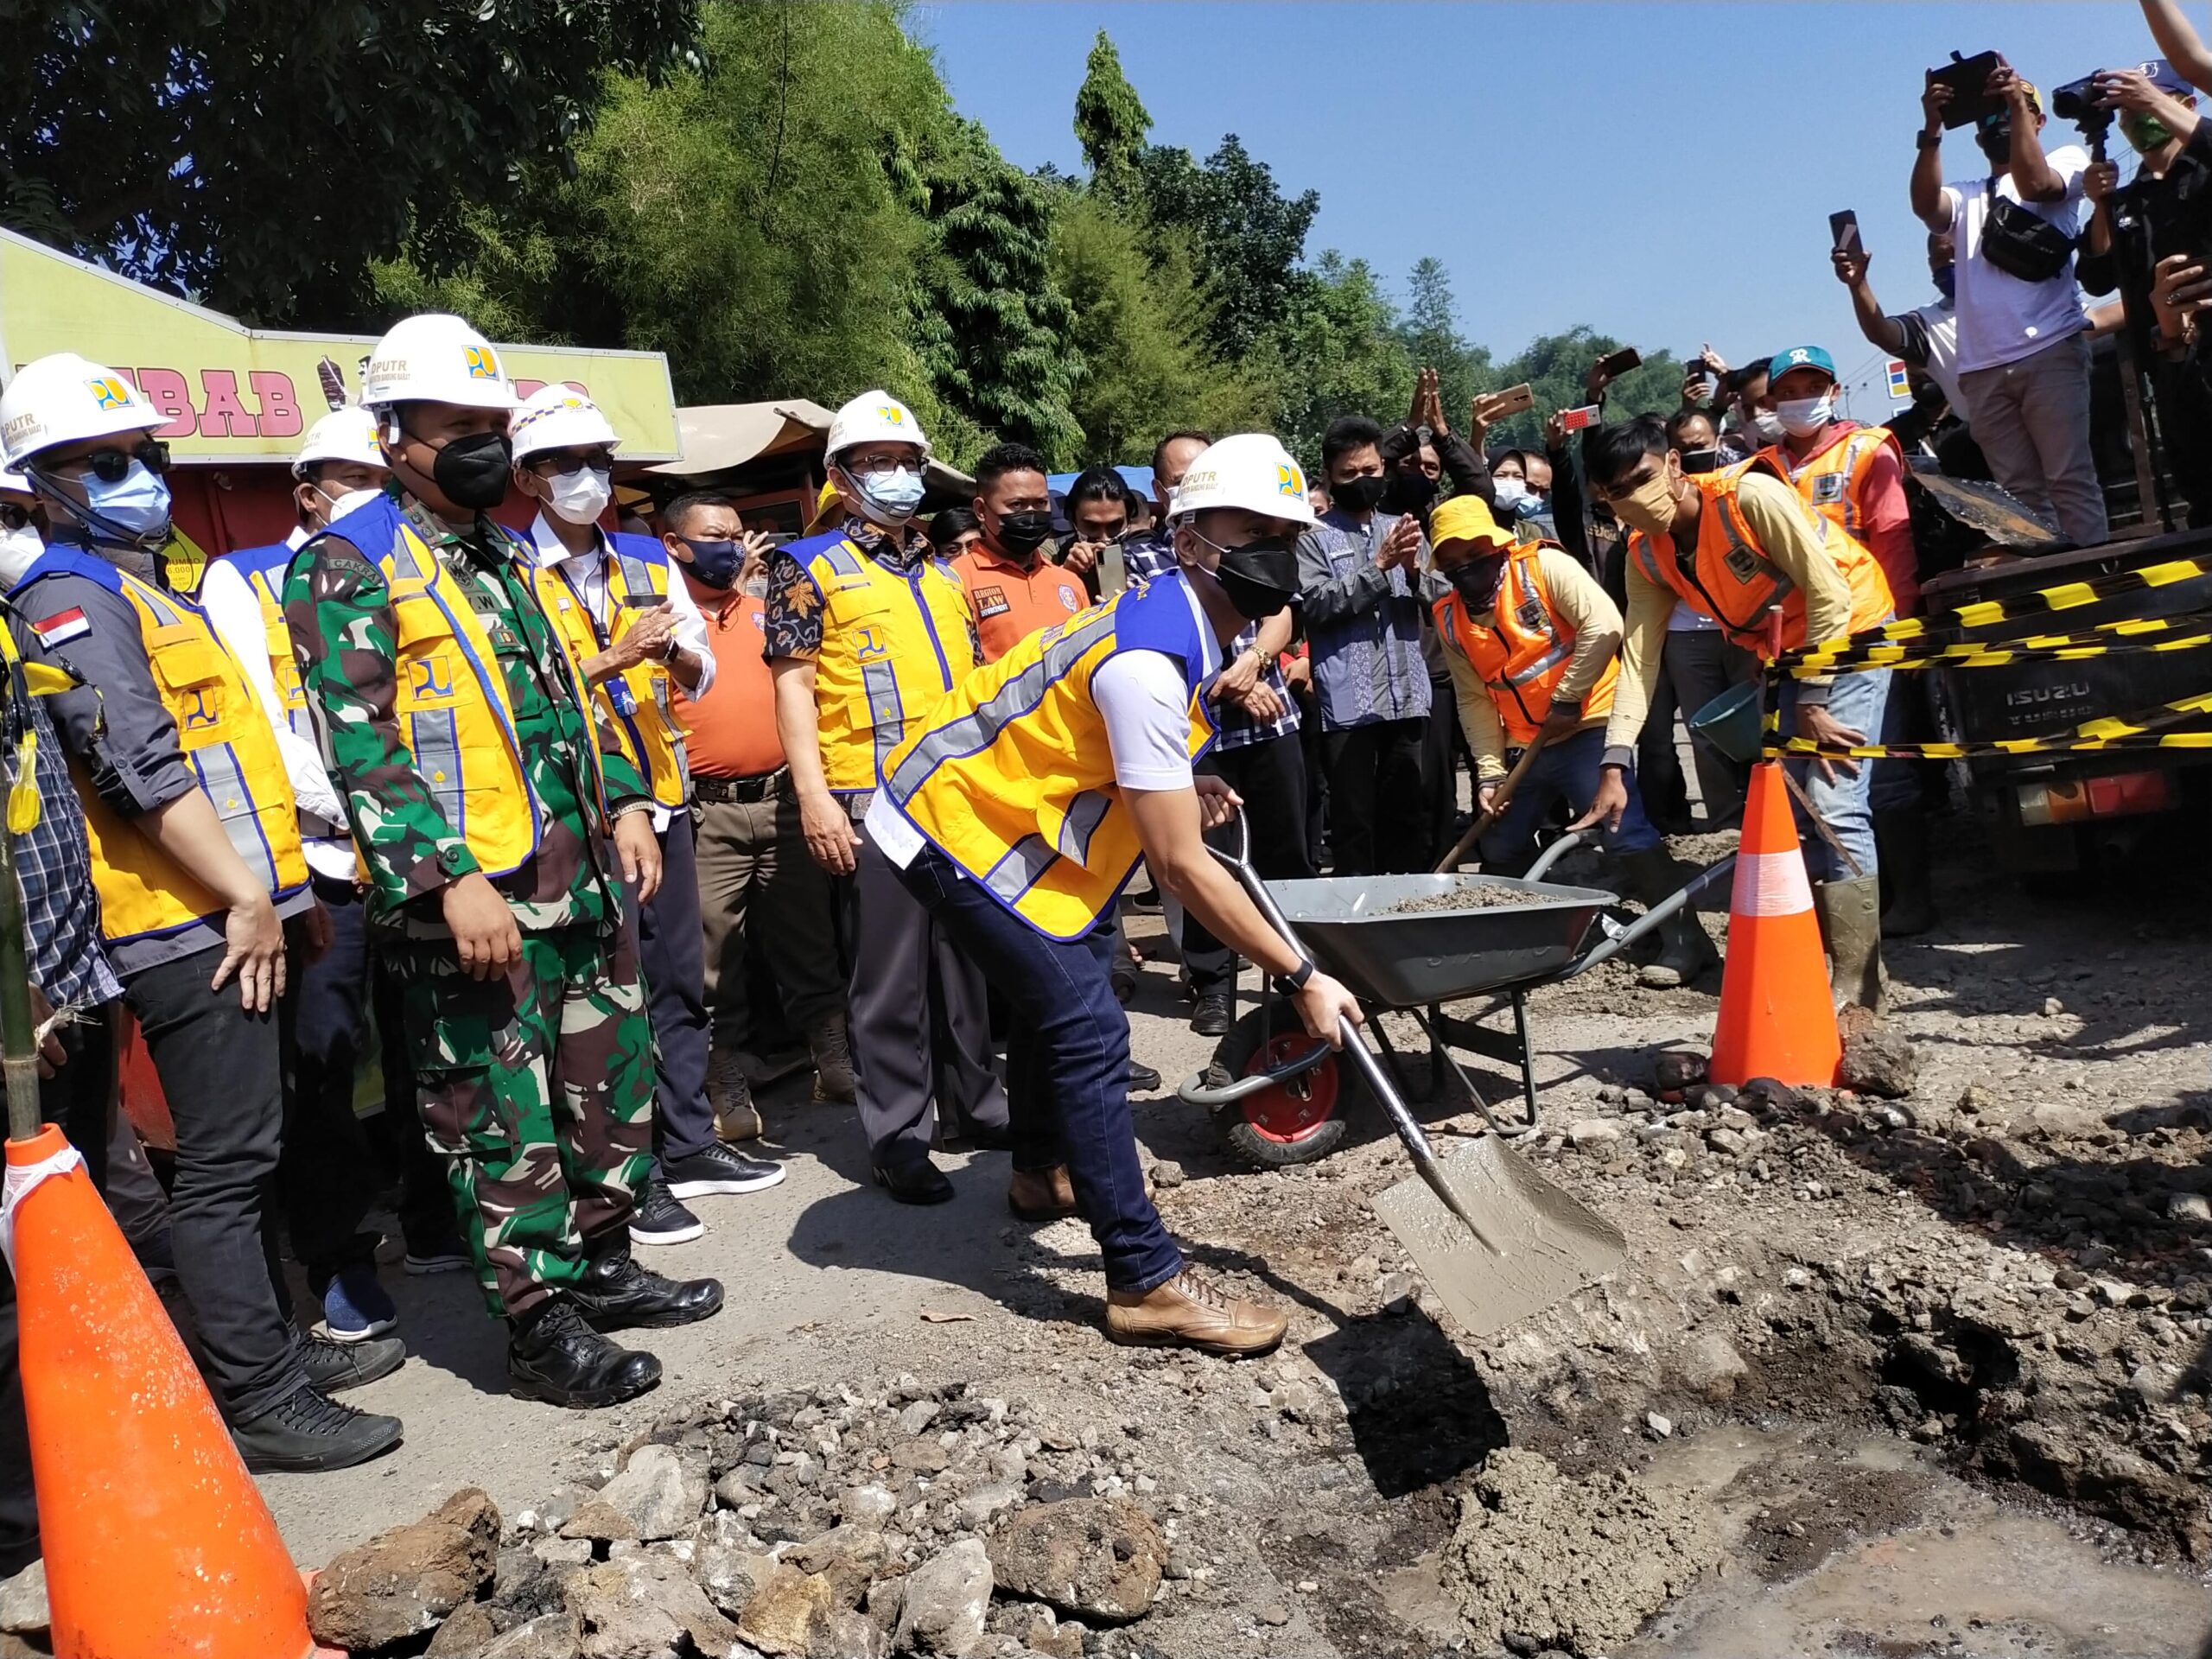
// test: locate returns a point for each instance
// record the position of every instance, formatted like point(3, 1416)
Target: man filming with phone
point(2024, 347)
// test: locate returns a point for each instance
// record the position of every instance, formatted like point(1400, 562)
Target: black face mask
point(1996, 142)
point(1409, 491)
point(715, 563)
point(1360, 494)
point(1476, 581)
point(1023, 532)
point(472, 472)
point(1261, 577)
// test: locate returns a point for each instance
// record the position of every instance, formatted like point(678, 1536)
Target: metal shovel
point(1497, 1240)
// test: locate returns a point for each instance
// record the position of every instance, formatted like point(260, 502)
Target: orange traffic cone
point(1777, 1018)
point(156, 1541)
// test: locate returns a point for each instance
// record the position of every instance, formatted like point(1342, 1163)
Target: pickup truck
point(2063, 811)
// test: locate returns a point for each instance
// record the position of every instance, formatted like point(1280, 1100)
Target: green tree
point(1433, 340)
point(1556, 366)
point(259, 155)
point(1340, 353)
point(1248, 238)
point(995, 328)
point(1140, 322)
point(1111, 122)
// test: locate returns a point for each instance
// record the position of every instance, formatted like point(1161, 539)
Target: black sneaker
point(617, 1294)
point(657, 1218)
point(1210, 1017)
point(305, 1435)
point(332, 1366)
point(555, 1357)
point(718, 1170)
point(1142, 1079)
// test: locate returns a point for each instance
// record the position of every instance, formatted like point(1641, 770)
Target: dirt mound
point(1543, 1557)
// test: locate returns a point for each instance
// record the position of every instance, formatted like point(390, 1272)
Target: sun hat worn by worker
point(1467, 518)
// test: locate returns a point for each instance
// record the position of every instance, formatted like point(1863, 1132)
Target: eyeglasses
point(13, 516)
point(113, 466)
point(561, 466)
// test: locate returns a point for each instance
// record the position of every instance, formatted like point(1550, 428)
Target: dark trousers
point(1701, 664)
point(1659, 777)
point(916, 1014)
point(1070, 1045)
point(1439, 767)
point(75, 1100)
point(222, 1070)
point(1271, 776)
point(325, 1179)
point(425, 1204)
point(1378, 822)
point(672, 960)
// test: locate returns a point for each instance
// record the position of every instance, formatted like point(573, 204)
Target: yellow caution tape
point(2137, 731)
point(2040, 648)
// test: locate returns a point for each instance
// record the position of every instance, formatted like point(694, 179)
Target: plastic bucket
point(1731, 722)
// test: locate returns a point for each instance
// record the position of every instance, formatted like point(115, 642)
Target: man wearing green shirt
point(497, 824)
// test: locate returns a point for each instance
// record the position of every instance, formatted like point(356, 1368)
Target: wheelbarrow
point(1280, 1095)
point(1497, 1240)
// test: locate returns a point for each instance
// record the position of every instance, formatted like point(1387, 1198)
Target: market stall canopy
point(241, 395)
point(721, 438)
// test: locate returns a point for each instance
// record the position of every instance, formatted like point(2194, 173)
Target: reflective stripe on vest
point(1730, 580)
point(636, 705)
point(223, 734)
point(1834, 484)
point(1054, 846)
point(265, 575)
point(1522, 652)
point(893, 646)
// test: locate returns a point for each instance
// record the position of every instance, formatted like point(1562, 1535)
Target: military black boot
point(555, 1357)
point(617, 1294)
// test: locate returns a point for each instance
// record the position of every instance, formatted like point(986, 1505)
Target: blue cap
point(1800, 357)
point(2160, 74)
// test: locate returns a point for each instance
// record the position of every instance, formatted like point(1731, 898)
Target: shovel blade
point(1550, 1244)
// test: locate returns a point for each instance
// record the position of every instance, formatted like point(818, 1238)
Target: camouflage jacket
point(345, 639)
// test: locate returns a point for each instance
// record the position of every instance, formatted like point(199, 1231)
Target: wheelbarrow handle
point(1355, 1047)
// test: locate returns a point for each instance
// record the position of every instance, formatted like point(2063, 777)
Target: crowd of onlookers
point(564, 825)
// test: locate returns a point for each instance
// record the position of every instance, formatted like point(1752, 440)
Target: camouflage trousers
point(537, 1090)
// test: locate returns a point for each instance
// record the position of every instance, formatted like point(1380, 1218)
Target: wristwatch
point(1926, 140)
point(1291, 983)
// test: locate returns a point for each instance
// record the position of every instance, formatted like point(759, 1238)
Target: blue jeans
point(1844, 802)
point(1067, 1064)
point(1570, 769)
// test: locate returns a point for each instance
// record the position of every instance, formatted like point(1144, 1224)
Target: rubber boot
point(1901, 842)
point(1685, 952)
point(1851, 927)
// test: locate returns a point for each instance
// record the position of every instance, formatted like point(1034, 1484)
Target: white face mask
point(349, 501)
point(579, 497)
point(1803, 416)
point(19, 550)
point(1768, 424)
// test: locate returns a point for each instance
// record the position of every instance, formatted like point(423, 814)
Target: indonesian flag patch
point(62, 627)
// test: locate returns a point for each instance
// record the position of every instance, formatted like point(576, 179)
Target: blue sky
point(1662, 172)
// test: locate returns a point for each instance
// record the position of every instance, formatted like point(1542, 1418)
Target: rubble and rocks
point(22, 1602)
point(404, 1582)
point(1544, 1560)
point(1094, 1558)
point(1879, 1060)
point(942, 1602)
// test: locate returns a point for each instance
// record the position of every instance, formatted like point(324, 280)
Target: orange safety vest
point(1521, 648)
point(1834, 484)
point(1731, 580)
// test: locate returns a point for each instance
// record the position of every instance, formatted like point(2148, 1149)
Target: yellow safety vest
point(264, 568)
point(636, 704)
point(891, 646)
point(226, 740)
point(1013, 775)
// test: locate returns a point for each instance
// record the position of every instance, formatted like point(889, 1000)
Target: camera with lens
point(2077, 101)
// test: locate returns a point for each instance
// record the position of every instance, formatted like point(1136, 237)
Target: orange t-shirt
point(731, 733)
point(1012, 603)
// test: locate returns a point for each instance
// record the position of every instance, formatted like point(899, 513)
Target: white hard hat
point(875, 416)
point(1250, 470)
point(435, 359)
point(16, 481)
point(558, 417)
point(348, 434)
point(64, 398)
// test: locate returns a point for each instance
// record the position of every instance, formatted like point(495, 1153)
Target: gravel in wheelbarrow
point(1406, 941)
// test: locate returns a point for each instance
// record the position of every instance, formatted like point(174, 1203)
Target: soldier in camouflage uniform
point(523, 1007)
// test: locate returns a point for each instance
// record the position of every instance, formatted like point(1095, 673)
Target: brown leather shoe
point(1041, 1195)
point(1190, 1311)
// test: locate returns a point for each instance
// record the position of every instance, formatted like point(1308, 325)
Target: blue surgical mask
point(138, 504)
point(1803, 416)
point(1947, 282)
point(890, 498)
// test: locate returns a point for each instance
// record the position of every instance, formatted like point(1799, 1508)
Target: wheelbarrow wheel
point(1296, 1122)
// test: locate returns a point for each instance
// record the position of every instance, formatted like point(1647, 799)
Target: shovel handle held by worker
point(1495, 809)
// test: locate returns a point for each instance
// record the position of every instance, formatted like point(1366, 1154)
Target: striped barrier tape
point(2137, 731)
